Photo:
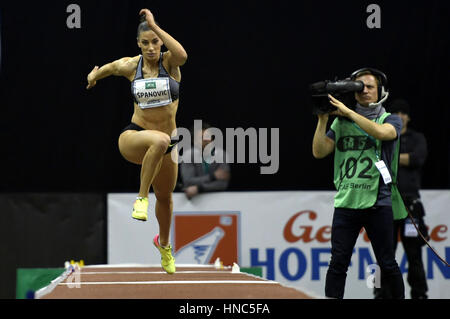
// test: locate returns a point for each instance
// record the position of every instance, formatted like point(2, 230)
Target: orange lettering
point(306, 235)
point(365, 236)
point(435, 233)
point(323, 230)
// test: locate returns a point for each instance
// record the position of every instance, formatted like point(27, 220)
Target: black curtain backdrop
point(39, 230)
point(249, 65)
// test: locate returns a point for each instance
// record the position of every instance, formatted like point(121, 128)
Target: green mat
point(33, 279)
point(257, 271)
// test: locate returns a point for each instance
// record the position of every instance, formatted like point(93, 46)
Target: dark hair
point(400, 105)
point(205, 126)
point(143, 26)
point(368, 72)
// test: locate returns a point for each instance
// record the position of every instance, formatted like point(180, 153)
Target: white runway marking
point(202, 282)
point(150, 266)
point(151, 272)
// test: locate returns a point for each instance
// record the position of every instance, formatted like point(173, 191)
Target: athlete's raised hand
point(148, 17)
point(91, 78)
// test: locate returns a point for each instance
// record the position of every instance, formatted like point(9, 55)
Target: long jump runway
point(151, 282)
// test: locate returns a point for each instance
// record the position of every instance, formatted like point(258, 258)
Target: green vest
point(356, 177)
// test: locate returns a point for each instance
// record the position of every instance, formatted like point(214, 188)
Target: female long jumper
point(155, 79)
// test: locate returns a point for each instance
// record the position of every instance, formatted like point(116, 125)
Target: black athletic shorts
point(135, 127)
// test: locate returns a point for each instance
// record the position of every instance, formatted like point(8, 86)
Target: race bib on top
point(152, 92)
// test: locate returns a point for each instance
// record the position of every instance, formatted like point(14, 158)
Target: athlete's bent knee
point(161, 143)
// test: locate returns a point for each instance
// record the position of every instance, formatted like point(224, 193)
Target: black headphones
point(382, 82)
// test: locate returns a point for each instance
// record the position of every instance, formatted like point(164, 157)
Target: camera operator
point(364, 139)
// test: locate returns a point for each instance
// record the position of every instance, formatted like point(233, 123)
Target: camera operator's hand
point(342, 109)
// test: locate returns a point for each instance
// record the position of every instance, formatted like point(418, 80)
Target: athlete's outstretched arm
point(177, 55)
point(121, 67)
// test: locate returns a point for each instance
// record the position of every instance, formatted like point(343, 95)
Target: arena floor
point(189, 282)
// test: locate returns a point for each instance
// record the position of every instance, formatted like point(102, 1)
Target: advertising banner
point(287, 233)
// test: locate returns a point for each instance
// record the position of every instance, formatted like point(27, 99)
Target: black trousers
point(347, 223)
point(413, 249)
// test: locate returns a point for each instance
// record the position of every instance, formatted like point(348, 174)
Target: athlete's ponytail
point(143, 25)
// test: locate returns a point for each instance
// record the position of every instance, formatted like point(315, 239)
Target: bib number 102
point(349, 167)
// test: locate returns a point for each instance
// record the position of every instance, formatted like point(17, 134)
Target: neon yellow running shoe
point(140, 208)
point(167, 260)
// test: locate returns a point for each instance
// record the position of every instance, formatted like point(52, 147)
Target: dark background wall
point(40, 230)
point(249, 65)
